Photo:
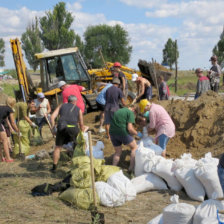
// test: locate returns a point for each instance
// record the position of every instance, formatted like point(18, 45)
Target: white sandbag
point(207, 209)
point(108, 195)
point(157, 220)
point(209, 221)
point(185, 161)
point(150, 162)
point(141, 156)
point(191, 184)
point(209, 159)
point(147, 182)
point(148, 143)
point(123, 185)
point(163, 169)
point(178, 213)
point(97, 150)
point(208, 175)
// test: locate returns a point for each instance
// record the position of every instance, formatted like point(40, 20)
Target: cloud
point(144, 3)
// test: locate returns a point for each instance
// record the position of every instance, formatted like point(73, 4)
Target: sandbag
point(25, 130)
point(191, 184)
point(97, 150)
point(106, 172)
point(151, 161)
point(209, 159)
point(147, 182)
point(163, 169)
point(207, 209)
point(141, 156)
point(123, 185)
point(81, 177)
point(178, 213)
point(209, 221)
point(185, 161)
point(81, 198)
point(108, 195)
point(157, 220)
point(81, 145)
point(207, 173)
point(35, 138)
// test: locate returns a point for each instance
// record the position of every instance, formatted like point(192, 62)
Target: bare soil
point(199, 129)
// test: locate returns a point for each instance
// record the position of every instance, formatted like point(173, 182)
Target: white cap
point(40, 95)
point(61, 83)
point(134, 77)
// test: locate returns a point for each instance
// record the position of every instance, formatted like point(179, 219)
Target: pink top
point(161, 121)
point(76, 91)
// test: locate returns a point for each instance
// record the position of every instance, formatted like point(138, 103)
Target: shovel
point(97, 218)
point(49, 125)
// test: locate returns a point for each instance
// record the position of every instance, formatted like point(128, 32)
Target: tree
point(55, 28)
point(218, 50)
point(79, 43)
point(31, 43)
point(2, 51)
point(111, 40)
point(170, 53)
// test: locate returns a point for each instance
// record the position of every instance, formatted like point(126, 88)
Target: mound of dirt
point(199, 125)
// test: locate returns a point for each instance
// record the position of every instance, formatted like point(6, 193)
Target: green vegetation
point(8, 89)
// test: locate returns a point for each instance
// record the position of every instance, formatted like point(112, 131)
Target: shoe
point(102, 130)
point(9, 161)
point(3, 159)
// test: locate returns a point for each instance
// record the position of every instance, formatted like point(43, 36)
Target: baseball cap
point(61, 83)
point(134, 77)
point(116, 81)
point(143, 104)
point(40, 95)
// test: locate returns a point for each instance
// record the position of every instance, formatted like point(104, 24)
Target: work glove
point(33, 125)
point(139, 134)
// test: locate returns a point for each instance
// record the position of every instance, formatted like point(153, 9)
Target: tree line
point(53, 31)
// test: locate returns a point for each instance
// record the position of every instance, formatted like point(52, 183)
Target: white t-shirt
point(43, 110)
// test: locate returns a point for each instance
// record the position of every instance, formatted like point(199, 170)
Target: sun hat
point(116, 81)
point(61, 83)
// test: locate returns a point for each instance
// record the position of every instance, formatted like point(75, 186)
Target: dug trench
point(199, 129)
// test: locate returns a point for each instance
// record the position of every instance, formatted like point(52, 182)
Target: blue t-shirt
point(101, 98)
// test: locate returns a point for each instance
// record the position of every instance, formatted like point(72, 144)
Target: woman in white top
point(42, 110)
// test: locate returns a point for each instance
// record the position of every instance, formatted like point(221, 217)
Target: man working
point(117, 73)
point(203, 84)
point(75, 90)
point(113, 96)
point(67, 128)
point(101, 101)
point(121, 131)
point(144, 88)
point(163, 89)
point(42, 110)
point(214, 74)
point(161, 121)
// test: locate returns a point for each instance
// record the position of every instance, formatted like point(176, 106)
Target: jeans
point(162, 141)
point(221, 176)
point(40, 122)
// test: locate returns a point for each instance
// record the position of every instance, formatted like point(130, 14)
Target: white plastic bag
point(97, 150)
point(163, 169)
point(141, 156)
point(191, 184)
point(108, 195)
point(147, 182)
point(178, 213)
point(123, 185)
point(157, 220)
point(207, 209)
point(208, 175)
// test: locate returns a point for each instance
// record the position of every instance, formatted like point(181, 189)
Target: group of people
point(118, 118)
point(211, 81)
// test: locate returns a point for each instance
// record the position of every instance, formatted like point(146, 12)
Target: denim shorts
point(118, 140)
point(108, 116)
point(221, 176)
point(162, 141)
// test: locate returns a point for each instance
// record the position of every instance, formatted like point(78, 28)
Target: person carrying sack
point(69, 125)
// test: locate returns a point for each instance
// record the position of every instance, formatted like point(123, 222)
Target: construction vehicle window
point(73, 69)
point(55, 70)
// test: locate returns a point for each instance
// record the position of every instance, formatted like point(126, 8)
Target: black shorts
point(66, 135)
point(100, 106)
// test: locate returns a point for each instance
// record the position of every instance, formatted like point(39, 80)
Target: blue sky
point(196, 24)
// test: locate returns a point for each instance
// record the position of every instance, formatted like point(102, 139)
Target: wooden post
point(155, 78)
point(175, 66)
point(92, 167)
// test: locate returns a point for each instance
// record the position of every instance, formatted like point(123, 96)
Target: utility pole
point(175, 66)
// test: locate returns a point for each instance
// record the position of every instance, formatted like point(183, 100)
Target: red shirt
point(76, 91)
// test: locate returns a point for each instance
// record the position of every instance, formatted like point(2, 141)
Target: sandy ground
point(199, 126)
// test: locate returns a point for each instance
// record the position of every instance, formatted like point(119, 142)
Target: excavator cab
point(64, 64)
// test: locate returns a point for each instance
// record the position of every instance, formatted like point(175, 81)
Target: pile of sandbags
point(206, 213)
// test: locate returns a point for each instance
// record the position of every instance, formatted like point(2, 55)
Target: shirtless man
point(144, 88)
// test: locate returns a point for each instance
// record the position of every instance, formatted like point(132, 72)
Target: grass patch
point(8, 89)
